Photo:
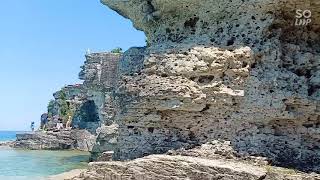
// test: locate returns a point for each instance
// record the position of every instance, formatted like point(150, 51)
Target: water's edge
point(21, 164)
point(66, 175)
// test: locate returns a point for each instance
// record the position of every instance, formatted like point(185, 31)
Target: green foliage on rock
point(61, 107)
point(50, 108)
point(117, 50)
point(62, 95)
point(148, 44)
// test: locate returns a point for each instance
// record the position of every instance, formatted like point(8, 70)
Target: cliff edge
point(243, 72)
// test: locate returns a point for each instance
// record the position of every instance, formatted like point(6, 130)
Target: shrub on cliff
point(117, 50)
point(50, 108)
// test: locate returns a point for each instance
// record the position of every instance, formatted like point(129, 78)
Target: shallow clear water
point(8, 135)
point(34, 165)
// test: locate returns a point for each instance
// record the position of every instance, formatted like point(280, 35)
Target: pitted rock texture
point(209, 21)
point(213, 160)
point(219, 149)
point(179, 99)
point(239, 70)
point(173, 167)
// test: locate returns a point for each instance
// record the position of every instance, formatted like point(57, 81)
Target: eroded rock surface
point(41, 140)
point(240, 71)
point(100, 81)
point(213, 160)
point(61, 140)
point(177, 167)
point(213, 70)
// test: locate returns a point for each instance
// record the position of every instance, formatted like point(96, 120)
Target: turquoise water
point(8, 135)
point(34, 165)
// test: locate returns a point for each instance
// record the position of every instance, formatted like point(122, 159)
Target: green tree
point(117, 50)
point(62, 95)
point(50, 107)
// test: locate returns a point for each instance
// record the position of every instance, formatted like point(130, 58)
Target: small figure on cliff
point(44, 121)
point(59, 124)
point(32, 126)
point(68, 125)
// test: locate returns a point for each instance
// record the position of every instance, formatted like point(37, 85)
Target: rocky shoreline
point(6, 144)
point(213, 160)
point(224, 90)
point(55, 140)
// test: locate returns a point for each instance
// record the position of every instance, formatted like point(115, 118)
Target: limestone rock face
point(83, 139)
point(62, 140)
point(65, 103)
point(106, 141)
point(180, 99)
point(100, 69)
point(179, 167)
point(100, 81)
point(100, 78)
point(213, 160)
point(239, 70)
point(217, 21)
point(47, 141)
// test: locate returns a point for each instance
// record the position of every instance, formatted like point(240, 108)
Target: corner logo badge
point(303, 17)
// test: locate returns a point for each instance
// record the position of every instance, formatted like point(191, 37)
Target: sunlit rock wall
point(214, 69)
point(100, 80)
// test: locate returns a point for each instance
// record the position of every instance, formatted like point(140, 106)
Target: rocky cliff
point(100, 81)
point(86, 107)
point(243, 71)
point(239, 70)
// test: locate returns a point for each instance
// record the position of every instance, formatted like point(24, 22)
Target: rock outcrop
point(100, 78)
point(100, 81)
point(87, 107)
point(64, 105)
point(214, 160)
point(239, 70)
point(61, 140)
point(6, 144)
point(41, 140)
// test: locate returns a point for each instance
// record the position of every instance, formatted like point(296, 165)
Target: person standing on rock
point(44, 121)
point(32, 126)
point(59, 124)
point(68, 125)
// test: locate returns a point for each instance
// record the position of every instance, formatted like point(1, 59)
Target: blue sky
point(42, 46)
